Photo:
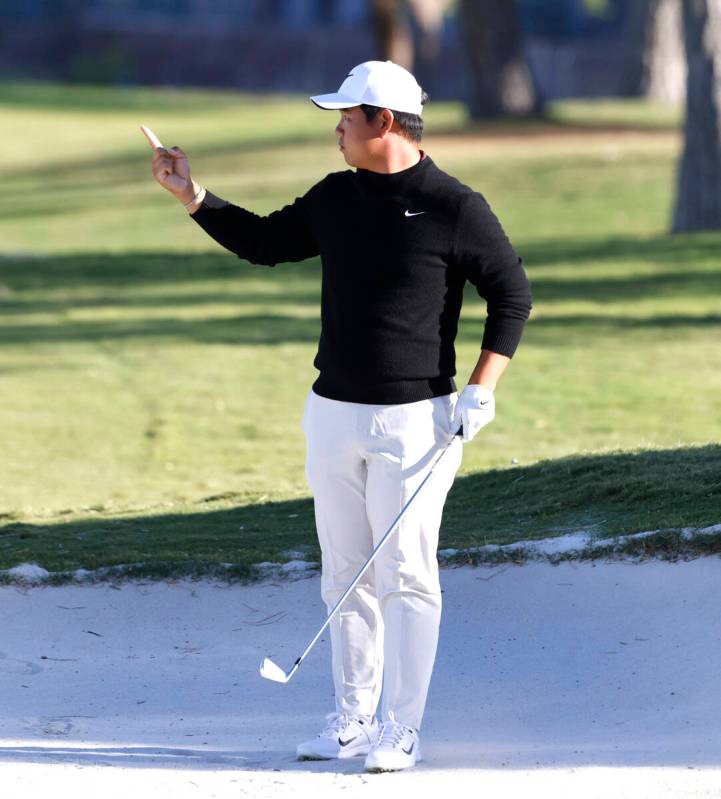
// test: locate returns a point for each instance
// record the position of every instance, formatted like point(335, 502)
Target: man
point(398, 238)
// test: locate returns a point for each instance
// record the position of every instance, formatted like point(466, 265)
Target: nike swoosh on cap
point(415, 213)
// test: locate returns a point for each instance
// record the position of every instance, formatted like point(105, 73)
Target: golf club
point(269, 669)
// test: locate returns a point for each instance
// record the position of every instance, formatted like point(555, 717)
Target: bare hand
point(170, 167)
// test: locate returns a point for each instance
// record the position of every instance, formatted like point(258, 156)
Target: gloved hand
point(475, 408)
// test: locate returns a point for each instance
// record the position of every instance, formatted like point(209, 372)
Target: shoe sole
point(381, 770)
point(386, 769)
point(333, 757)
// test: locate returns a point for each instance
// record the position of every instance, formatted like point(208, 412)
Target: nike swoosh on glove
point(475, 408)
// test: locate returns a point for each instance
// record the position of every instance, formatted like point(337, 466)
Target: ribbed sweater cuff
point(210, 201)
point(503, 338)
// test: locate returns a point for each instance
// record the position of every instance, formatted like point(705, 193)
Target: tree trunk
point(428, 18)
point(664, 60)
point(501, 82)
point(698, 198)
point(392, 32)
point(654, 63)
point(638, 25)
point(396, 21)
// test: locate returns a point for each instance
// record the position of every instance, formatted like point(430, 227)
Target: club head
point(270, 671)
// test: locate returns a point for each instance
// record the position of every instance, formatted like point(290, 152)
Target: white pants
point(363, 464)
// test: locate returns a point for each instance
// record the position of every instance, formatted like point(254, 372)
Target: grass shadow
point(607, 494)
point(112, 292)
point(682, 250)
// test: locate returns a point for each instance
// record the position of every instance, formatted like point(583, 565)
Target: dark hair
point(411, 125)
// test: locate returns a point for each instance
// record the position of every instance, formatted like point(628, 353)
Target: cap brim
point(334, 101)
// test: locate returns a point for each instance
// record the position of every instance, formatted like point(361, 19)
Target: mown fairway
point(152, 383)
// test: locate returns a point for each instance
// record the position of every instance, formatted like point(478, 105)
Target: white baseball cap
point(380, 83)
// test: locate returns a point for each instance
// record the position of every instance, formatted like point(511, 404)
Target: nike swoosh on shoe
point(350, 741)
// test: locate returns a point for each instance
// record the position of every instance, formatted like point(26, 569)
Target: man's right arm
point(284, 235)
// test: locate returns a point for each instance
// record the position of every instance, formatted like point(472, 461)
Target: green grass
point(618, 112)
point(153, 383)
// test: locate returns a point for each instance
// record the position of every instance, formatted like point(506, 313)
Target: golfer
point(398, 238)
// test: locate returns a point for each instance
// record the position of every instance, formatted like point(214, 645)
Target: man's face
point(357, 138)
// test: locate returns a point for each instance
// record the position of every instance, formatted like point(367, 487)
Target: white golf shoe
point(398, 747)
point(342, 736)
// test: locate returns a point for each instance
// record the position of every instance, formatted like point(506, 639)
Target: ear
point(385, 121)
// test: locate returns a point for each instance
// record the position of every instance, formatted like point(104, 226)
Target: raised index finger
point(153, 140)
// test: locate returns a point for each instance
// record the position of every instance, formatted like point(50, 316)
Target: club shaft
point(369, 561)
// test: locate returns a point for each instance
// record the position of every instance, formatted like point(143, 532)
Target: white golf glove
point(475, 408)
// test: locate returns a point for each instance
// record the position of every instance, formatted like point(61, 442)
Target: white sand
point(577, 680)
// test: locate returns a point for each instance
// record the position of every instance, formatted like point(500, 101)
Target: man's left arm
point(490, 263)
point(489, 369)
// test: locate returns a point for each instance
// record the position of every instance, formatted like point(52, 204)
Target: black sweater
point(396, 250)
